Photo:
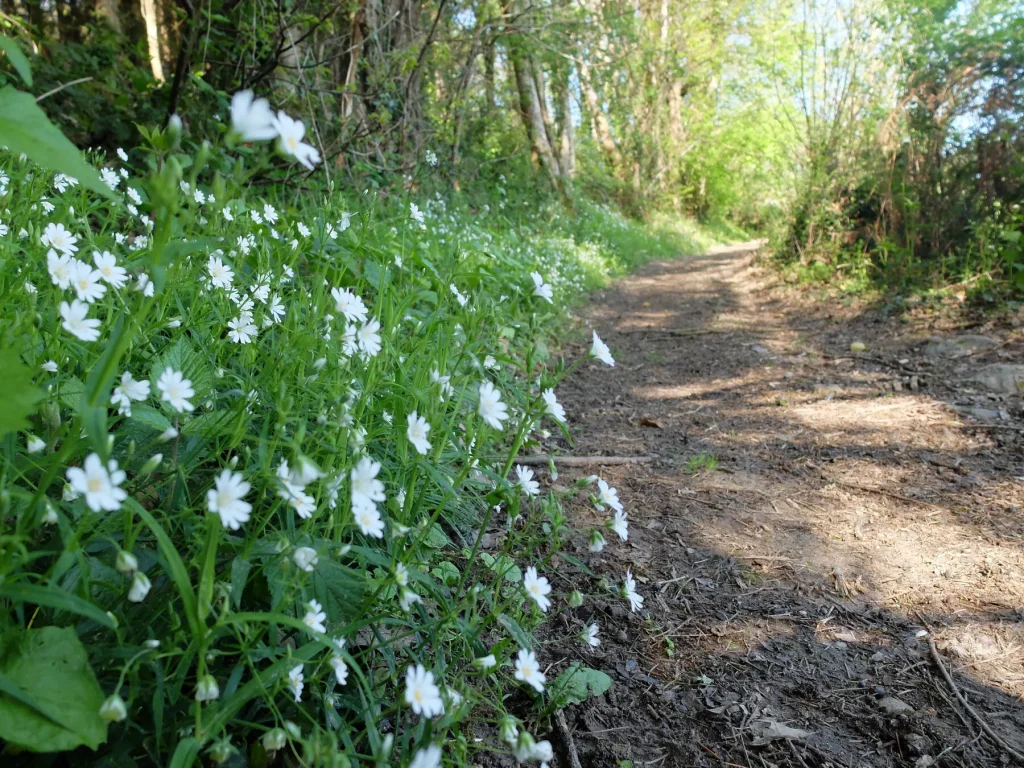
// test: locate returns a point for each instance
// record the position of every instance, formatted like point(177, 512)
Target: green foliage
point(577, 683)
point(21, 394)
point(49, 697)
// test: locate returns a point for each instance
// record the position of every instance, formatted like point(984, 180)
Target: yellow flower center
point(95, 485)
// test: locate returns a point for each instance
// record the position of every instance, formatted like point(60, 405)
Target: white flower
point(175, 390)
point(303, 503)
point(596, 542)
point(417, 433)
point(447, 390)
point(241, 330)
point(101, 485)
point(252, 118)
point(168, 434)
point(106, 263)
point(303, 229)
point(491, 409)
point(542, 289)
point(429, 757)
point(490, 362)
point(368, 519)
point(609, 495)
point(207, 689)
point(537, 587)
point(525, 480)
point(129, 389)
point(589, 635)
point(553, 408)
point(61, 182)
point(620, 525)
point(366, 488)
point(315, 617)
point(58, 238)
point(290, 133)
point(528, 670)
point(270, 213)
point(86, 282)
point(368, 337)
point(485, 662)
point(110, 177)
point(276, 308)
point(543, 753)
point(140, 587)
point(50, 366)
point(295, 684)
point(144, 285)
point(34, 444)
point(220, 273)
point(61, 268)
point(348, 304)
point(306, 558)
point(430, 157)
point(420, 692)
point(600, 350)
point(636, 600)
point(415, 213)
point(126, 562)
point(345, 221)
point(227, 499)
point(340, 669)
point(407, 598)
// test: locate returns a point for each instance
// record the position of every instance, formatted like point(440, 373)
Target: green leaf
point(49, 666)
point(447, 573)
point(175, 566)
point(340, 592)
point(240, 568)
point(20, 394)
point(55, 597)
point(17, 59)
point(520, 635)
point(25, 128)
point(577, 683)
point(150, 417)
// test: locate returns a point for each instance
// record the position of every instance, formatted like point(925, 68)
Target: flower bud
point(113, 709)
point(152, 644)
point(293, 730)
point(207, 689)
point(126, 562)
point(508, 729)
point(485, 662)
point(274, 739)
point(151, 464)
point(168, 434)
point(140, 587)
point(525, 746)
point(50, 516)
point(575, 599)
point(221, 751)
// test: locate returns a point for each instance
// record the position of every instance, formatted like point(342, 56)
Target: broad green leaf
point(446, 573)
point(25, 128)
point(20, 394)
point(240, 568)
point(50, 667)
point(54, 597)
point(577, 683)
point(17, 59)
point(340, 592)
point(183, 357)
point(150, 417)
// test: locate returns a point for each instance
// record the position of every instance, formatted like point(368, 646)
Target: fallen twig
point(971, 710)
point(584, 461)
point(570, 744)
point(882, 492)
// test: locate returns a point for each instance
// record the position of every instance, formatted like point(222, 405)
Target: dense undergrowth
point(261, 434)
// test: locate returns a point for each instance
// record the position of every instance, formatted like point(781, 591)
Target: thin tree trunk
point(533, 120)
point(599, 121)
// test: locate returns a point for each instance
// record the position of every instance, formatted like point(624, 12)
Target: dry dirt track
point(850, 509)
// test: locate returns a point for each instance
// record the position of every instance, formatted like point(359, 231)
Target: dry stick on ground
point(584, 461)
point(570, 744)
point(971, 710)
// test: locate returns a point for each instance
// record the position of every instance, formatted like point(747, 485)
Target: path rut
point(805, 517)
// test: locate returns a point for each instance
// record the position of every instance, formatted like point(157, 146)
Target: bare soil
point(851, 508)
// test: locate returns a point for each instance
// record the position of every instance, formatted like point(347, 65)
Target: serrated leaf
point(337, 589)
point(150, 417)
point(20, 394)
point(577, 683)
point(17, 59)
point(25, 128)
point(51, 668)
point(183, 357)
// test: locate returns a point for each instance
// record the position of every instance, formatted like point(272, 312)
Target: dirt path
point(803, 519)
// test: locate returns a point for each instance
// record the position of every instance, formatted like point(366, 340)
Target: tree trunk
point(566, 130)
point(533, 120)
point(598, 120)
